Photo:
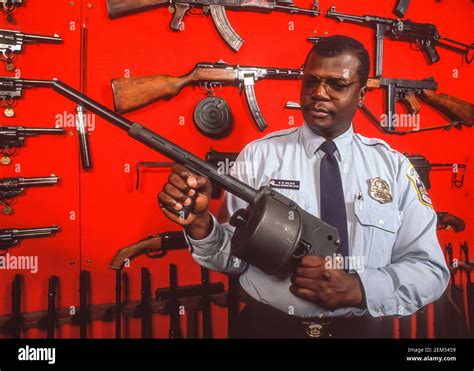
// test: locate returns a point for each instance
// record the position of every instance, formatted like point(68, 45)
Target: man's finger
point(304, 293)
point(166, 200)
point(312, 261)
point(318, 272)
point(178, 182)
point(175, 193)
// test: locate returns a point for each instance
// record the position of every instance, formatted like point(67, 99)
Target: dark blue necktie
point(333, 206)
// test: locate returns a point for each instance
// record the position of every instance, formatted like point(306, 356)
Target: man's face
point(330, 93)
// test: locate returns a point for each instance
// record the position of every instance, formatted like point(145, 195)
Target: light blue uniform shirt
point(403, 266)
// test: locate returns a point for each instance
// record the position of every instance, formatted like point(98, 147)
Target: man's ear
point(362, 93)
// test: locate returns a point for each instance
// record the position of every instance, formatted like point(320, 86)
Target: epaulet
point(277, 134)
point(371, 142)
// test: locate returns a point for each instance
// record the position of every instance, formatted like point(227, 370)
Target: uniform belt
point(263, 321)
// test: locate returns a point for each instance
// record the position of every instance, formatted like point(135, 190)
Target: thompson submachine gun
point(217, 9)
point(270, 234)
point(12, 237)
point(13, 187)
point(426, 35)
point(131, 93)
point(13, 137)
point(11, 43)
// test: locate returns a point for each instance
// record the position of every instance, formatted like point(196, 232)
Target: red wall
point(109, 213)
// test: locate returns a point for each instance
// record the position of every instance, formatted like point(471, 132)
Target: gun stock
point(158, 244)
point(131, 93)
point(120, 8)
point(454, 108)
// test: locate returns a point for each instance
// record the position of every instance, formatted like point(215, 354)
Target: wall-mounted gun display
point(426, 35)
point(13, 137)
point(274, 247)
point(13, 187)
point(11, 43)
point(217, 9)
point(13, 236)
point(136, 92)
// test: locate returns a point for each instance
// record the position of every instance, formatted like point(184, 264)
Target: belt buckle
point(318, 329)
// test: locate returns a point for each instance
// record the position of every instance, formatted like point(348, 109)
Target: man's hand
point(177, 192)
point(329, 288)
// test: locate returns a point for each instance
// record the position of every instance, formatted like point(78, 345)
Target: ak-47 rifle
point(13, 237)
point(426, 35)
point(13, 137)
point(13, 187)
point(8, 7)
point(217, 9)
point(155, 246)
point(131, 93)
point(11, 43)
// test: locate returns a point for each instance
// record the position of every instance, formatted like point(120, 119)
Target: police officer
point(389, 262)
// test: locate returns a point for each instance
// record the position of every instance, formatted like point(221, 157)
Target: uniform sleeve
point(214, 251)
point(418, 274)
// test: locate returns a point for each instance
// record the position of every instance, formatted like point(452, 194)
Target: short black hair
point(332, 46)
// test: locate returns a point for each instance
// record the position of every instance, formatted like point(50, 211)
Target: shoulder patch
point(421, 191)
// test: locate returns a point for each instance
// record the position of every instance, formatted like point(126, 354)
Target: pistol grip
point(412, 104)
point(179, 13)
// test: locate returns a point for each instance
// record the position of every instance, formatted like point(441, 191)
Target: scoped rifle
point(13, 187)
point(11, 43)
point(271, 233)
point(426, 35)
point(13, 137)
point(131, 93)
point(155, 246)
point(217, 9)
point(8, 6)
point(12, 237)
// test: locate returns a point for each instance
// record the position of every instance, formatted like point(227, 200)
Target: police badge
point(380, 190)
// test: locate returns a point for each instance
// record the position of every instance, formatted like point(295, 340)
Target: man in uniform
point(389, 262)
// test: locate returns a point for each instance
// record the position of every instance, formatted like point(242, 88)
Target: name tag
point(285, 184)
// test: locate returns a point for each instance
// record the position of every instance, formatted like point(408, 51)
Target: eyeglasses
point(334, 86)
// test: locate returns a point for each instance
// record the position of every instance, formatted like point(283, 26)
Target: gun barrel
point(32, 38)
point(38, 182)
point(410, 84)
point(295, 10)
point(29, 232)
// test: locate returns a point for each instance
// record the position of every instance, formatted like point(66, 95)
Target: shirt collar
point(312, 141)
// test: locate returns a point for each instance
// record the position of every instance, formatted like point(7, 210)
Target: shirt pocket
point(379, 223)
